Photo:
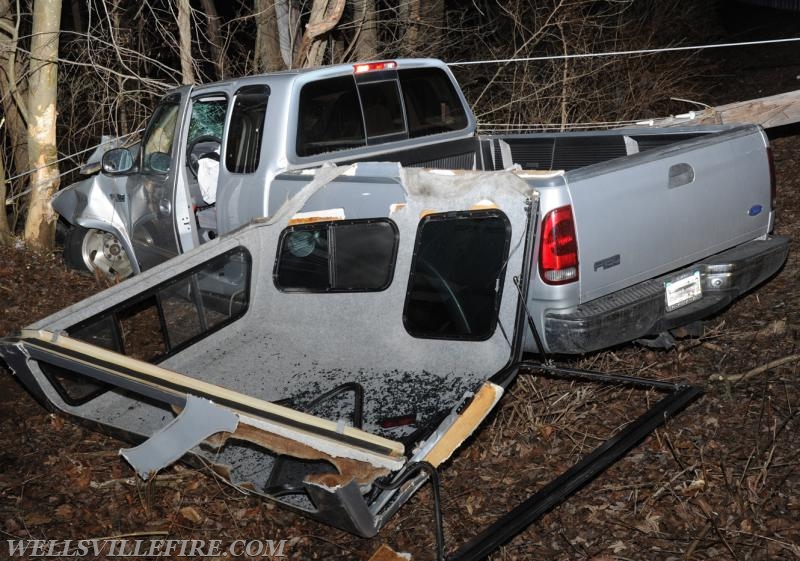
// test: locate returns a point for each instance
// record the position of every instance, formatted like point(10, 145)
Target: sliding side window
point(457, 273)
point(341, 256)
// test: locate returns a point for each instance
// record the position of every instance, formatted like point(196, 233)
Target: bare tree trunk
point(325, 16)
point(366, 29)
point(185, 40)
point(289, 32)
point(13, 90)
point(425, 19)
point(5, 230)
point(77, 17)
point(214, 36)
point(122, 113)
point(268, 57)
point(42, 151)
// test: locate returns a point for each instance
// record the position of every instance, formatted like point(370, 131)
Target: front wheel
point(89, 249)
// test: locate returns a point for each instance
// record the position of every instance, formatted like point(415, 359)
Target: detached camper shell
point(309, 355)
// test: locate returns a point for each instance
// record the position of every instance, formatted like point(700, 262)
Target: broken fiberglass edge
point(319, 356)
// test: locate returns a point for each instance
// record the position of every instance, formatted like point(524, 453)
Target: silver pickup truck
point(638, 230)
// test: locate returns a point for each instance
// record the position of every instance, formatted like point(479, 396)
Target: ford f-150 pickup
point(324, 325)
point(639, 230)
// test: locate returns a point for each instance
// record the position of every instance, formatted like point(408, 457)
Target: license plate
point(683, 290)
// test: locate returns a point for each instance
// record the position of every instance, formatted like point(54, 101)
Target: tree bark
point(425, 19)
point(325, 16)
point(267, 57)
point(185, 41)
point(13, 90)
point(42, 152)
point(5, 229)
point(212, 17)
point(366, 29)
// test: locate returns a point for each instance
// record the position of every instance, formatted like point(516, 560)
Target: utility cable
point(625, 53)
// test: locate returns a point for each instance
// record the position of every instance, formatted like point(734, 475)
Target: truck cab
point(210, 153)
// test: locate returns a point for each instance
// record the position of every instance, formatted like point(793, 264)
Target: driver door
point(195, 202)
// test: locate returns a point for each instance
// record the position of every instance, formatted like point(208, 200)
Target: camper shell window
point(340, 256)
point(456, 278)
point(176, 313)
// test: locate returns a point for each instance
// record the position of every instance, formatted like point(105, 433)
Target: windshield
point(160, 136)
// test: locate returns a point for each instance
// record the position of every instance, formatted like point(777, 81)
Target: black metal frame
point(588, 468)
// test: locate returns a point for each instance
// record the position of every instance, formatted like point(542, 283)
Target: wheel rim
point(102, 251)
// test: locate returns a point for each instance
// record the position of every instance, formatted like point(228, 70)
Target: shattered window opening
point(75, 389)
point(340, 256)
point(456, 279)
point(208, 118)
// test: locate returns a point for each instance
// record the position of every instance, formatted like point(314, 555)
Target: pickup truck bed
point(648, 207)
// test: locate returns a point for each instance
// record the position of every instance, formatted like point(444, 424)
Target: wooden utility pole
point(773, 111)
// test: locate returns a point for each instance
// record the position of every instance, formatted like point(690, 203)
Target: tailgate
point(650, 213)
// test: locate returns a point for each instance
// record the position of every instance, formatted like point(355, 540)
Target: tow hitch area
point(329, 361)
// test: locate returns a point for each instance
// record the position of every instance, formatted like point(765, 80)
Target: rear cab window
point(376, 104)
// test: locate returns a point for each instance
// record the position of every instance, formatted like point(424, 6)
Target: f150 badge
point(607, 263)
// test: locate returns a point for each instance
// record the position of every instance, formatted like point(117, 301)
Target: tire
point(91, 250)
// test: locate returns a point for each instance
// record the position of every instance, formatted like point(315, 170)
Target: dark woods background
point(116, 58)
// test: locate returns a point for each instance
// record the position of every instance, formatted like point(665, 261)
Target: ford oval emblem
point(754, 210)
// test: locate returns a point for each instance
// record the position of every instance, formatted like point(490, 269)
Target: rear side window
point(339, 256)
point(330, 117)
point(432, 104)
point(243, 150)
point(454, 289)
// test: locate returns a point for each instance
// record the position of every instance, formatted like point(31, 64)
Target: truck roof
point(288, 76)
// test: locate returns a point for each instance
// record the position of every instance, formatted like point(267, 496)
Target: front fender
point(98, 202)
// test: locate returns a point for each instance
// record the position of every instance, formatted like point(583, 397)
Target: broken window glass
point(456, 276)
point(208, 118)
point(337, 256)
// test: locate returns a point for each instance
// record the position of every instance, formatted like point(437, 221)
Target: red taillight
point(773, 188)
point(558, 250)
point(372, 66)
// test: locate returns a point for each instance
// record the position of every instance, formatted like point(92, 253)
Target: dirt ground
point(720, 481)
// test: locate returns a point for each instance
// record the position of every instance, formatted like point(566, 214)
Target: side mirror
point(117, 161)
